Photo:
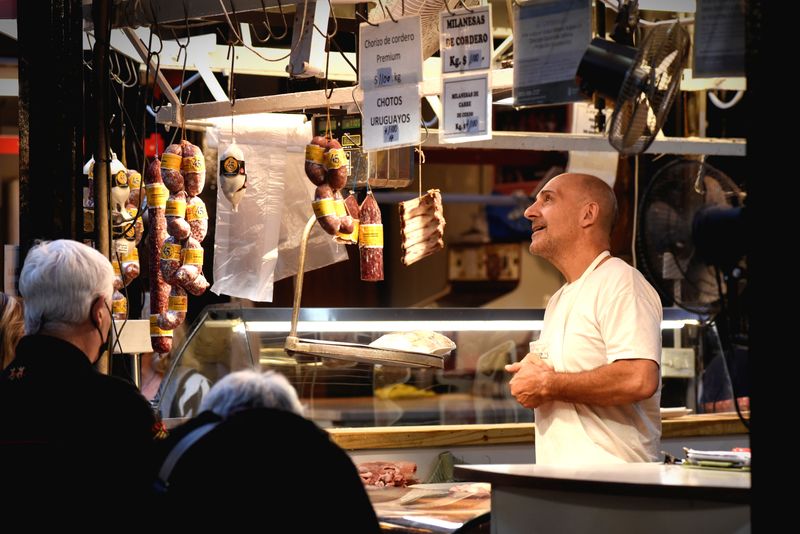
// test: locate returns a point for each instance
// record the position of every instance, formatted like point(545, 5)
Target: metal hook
point(132, 76)
point(353, 94)
point(427, 133)
point(134, 72)
point(464, 6)
point(114, 69)
point(699, 183)
point(387, 11)
point(269, 26)
point(231, 81)
point(365, 19)
point(447, 7)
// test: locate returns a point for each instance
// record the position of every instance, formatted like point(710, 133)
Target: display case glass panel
point(471, 388)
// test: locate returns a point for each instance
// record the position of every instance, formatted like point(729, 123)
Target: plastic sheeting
point(260, 244)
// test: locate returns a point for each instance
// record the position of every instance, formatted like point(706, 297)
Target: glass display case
point(471, 388)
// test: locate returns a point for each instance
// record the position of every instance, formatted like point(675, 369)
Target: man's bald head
point(596, 190)
point(588, 188)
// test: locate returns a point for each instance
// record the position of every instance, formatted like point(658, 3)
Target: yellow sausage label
point(338, 206)
point(132, 255)
point(194, 164)
point(171, 252)
point(157, 195)
point(171, 161)
point(352, 237)
point(324, 207)
point(315, 154)
point(121, 179)
point(155, 330)
point(193, 256)
point(134, 180)
point(115, 265)
point(119, 306)
point(176, 208)
point(335, 158)
point(122, 246)
point(370, 236)
point(196, 211)
point(178, 303)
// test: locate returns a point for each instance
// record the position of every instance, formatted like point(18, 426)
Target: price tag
point(466, 39)
point(391, 117)
point(467, 104)
point(390, 54)
point(550, 39)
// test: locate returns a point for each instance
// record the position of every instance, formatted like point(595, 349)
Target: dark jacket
point(69, 433)
point(274, 469)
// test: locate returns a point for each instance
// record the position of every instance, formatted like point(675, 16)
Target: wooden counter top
point(401, 437)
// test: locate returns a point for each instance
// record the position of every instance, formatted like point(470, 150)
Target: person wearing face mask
point(67, 431)
point(593, 377)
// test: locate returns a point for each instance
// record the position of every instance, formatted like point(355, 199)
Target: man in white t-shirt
point(593, 377)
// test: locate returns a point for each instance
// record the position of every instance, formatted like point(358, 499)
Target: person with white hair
point(252, 447)
point(250, 389)
point(68, 427)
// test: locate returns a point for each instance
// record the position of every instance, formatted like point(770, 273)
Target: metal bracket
point(308, 47)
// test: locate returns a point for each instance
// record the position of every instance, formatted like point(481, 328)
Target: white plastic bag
point(260, 243)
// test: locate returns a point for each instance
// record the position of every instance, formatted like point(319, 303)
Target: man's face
point(554, 218)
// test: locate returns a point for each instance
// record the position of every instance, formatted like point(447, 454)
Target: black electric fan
point(691, 236)
point(643, 81)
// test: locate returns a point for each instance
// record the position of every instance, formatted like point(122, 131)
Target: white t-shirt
point(610, 313)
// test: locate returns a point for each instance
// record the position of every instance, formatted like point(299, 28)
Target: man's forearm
point(620, 382)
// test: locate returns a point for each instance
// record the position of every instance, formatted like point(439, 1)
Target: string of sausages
point(178, 224)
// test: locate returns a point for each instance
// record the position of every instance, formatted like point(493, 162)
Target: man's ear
point(96, 310)
point(589, 214)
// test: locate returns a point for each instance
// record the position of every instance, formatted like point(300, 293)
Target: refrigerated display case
point(470, 388)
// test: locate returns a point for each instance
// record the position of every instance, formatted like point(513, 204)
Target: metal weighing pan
point(346, 351)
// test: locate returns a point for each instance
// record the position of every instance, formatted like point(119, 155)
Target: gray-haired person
point(250, 389)
point(67, 431)
point(254, 449)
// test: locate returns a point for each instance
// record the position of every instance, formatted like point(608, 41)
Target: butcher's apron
point(560, 434)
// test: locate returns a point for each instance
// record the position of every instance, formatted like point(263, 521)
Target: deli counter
point(434, 418)
point(470, 388)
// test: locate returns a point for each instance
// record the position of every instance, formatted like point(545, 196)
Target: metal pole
point(100, 15)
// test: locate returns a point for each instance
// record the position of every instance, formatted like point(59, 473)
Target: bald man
point(593, 377)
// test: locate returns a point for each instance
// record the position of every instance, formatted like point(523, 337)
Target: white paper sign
point(466, 103)
point(390, 53)
point(466, 39)
point(391, 117)
point(550, 39)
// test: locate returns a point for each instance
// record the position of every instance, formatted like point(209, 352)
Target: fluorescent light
point(674, 325)
point(392, 326)
point(408, 326)
point(441, 523)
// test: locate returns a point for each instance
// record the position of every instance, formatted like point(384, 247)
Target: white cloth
point(610, 313)
point(260, 244)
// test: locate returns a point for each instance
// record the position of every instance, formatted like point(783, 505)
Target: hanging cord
point(182, 50)
point(635, 207)
point(335, 26)
point(150, 55)
point(232, 86)
point(722, 346)
point(328, 94)
point(421, 155)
